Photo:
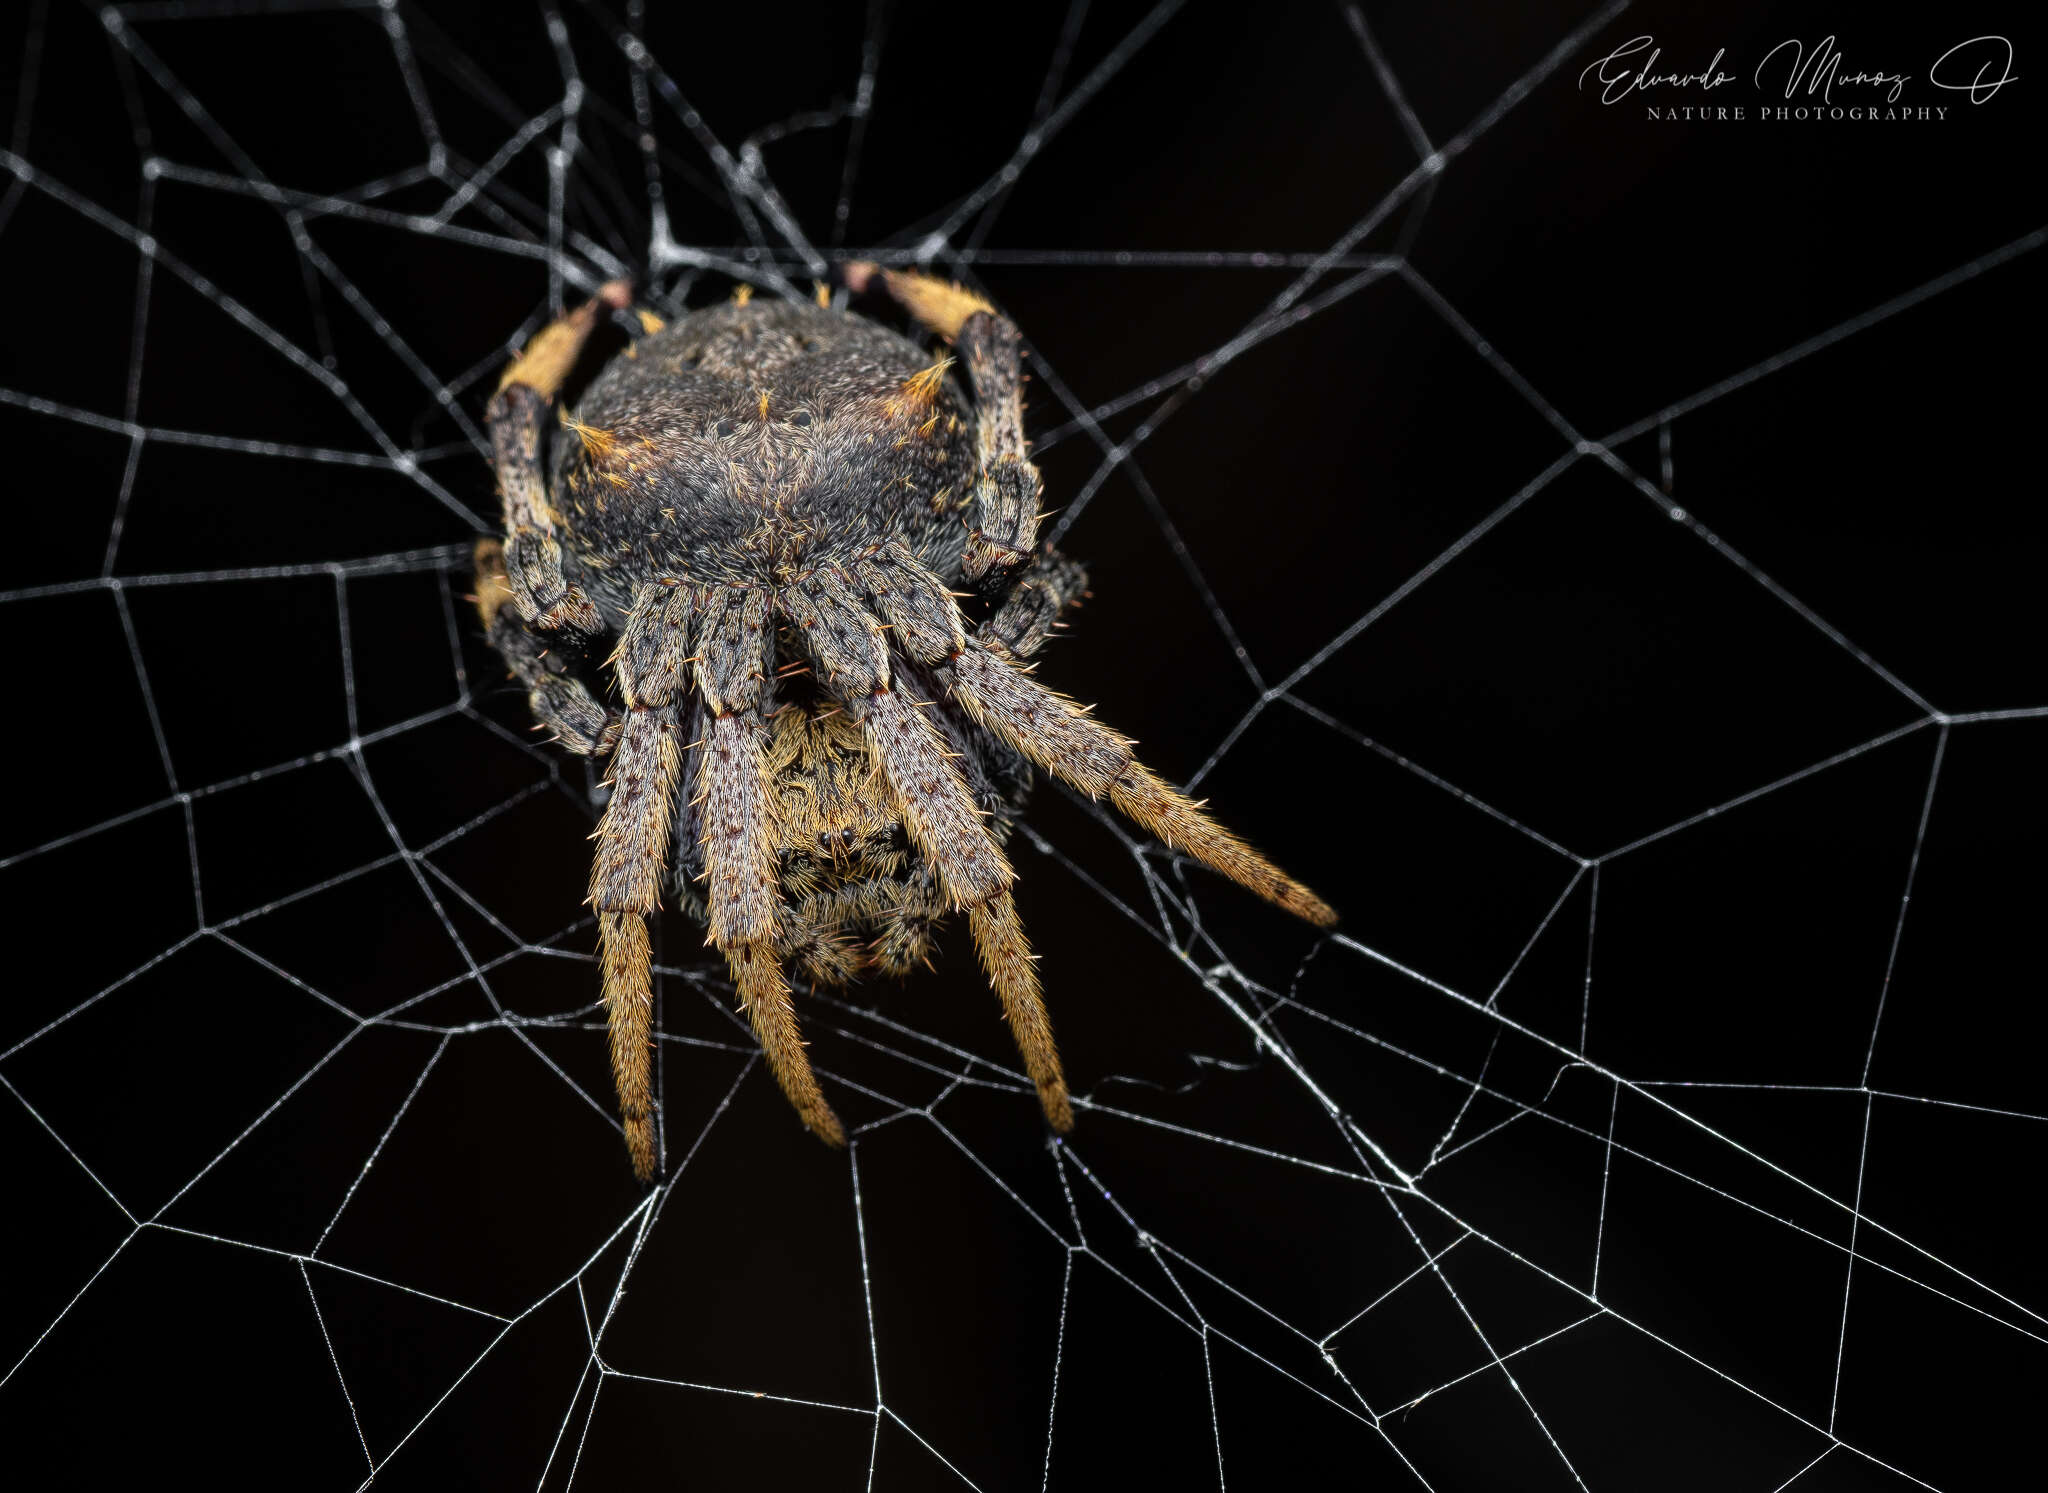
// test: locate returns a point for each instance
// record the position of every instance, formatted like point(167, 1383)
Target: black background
point(1591, 670)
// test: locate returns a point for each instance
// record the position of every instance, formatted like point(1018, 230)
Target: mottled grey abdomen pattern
point(749, 445)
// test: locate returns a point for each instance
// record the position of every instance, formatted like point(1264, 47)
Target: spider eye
point(801, 420)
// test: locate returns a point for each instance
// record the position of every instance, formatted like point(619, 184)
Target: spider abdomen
point(753, 444)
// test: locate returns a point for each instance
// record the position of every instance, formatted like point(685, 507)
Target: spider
point(765, 509)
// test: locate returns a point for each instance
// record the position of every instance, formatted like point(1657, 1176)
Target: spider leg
point(1013, 971)
point(1042, 591)
point(949, 829)
point(1005, 511)
point(852, 657)
point(623, 956)
point(558, 699)
point(544, 364)
point(734, 660)
point(516, 416)
point(940, 305)
point(1053, 732)
point(632, 846)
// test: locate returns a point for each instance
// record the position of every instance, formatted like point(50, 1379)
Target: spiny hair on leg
point(1013, 972)
point(629, 1011)
point(764, 994)
point(1053, 732)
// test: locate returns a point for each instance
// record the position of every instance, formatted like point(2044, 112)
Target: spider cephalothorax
point(764, 511)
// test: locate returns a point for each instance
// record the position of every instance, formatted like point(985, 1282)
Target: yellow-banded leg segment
point(517, 416)
point(1004, 517)
point(735, 659)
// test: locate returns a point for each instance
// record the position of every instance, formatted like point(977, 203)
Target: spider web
point(1661, 1116)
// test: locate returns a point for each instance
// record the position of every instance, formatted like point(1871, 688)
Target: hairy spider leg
point(545, 363)
point(652, 665)
point(1040, 591)
point(1013, 973)
point(851, 654)
point(940, 305)
point(735, 657)
point(1052, 731)
point(517, 415)
point(625, 964)
point(1004, 516)
point(558, 699)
